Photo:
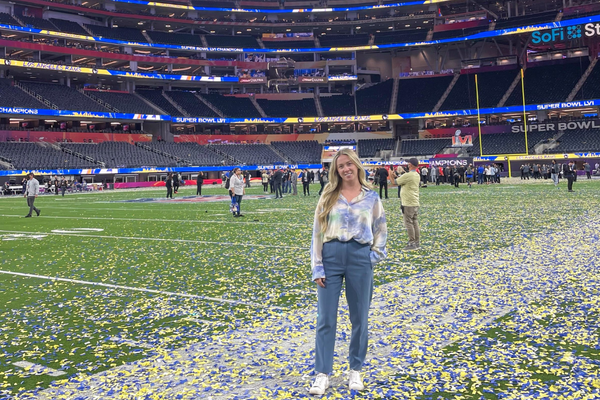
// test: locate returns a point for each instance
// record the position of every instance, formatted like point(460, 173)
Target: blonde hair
point(332, 190)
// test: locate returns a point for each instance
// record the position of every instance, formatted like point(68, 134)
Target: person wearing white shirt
point(237, 189)
point(31, 193)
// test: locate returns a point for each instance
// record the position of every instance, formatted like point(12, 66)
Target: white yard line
point(161, 220)
point(39, 369)
point(136, 289)
point(159, 239)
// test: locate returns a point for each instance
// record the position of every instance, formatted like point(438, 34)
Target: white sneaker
point(320, 384)
point(355, 381)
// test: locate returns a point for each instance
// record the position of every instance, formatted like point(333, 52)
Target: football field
point(124, 295)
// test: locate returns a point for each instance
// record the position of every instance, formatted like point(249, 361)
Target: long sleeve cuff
point(318, 272)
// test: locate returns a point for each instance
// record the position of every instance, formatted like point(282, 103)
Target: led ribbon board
point(100, 71)
point(476, 36)
point(283, 11)
point(82, 114)
point(142, 170)
point(391, 117)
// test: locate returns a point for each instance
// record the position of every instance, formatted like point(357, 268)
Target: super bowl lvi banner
point(462, 141)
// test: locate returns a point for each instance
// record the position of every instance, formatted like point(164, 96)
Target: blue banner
point(83, 114)
point(145, 170)
point(281, 11)
point(476, 36)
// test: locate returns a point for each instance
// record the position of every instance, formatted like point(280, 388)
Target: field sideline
point(180, 300)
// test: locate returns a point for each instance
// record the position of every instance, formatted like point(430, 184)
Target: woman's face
point(238, 171)
point(346, 169)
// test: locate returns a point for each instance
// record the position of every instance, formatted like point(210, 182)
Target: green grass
point(203, 251)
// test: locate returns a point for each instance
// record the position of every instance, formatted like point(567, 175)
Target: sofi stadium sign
point(568, 33)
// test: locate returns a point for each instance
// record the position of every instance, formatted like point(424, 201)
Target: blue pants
point(350, 260)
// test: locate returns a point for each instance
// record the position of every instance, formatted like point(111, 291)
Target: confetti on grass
point(498, 305)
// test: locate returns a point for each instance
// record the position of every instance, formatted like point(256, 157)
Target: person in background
point(237, 190)
point(169, 186)
point(349, 238)
point(199, 183)
point(383, 175)
point(323, 178)
point(469, 174)
point(277, 181)
point(588, 170)
point(569, 172)
point(410, 203)
point(424, 172)
point(63, 186)
point(294, 181)
point(481, 174)
point(32, 190)
point(248, 178)
point(306, 182)
point(175, 178)
point(555, 172)
point(265, 181)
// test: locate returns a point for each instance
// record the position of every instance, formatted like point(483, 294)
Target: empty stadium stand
point(591, 86)
point(127, 34)
point(370, 147)
point(344, 40)
point(8, 19)
point(40, 156)
point(338, 105)
point(69, 26)
point(191, 104)
point(234, 107)
point(289, 108)
point(492, 86)
point(175, 38)
point(156, 97)
point(38, 23)
point(421, 94)
point(121, 155)
point(308, 152)
point(423, 147)
point(123, 102)
point(64, 97)
point(549, 83)
point(192, 152)
point(250, 154)
point(11, 96)
point(401, 36)
point(375, 99)
point(578, 140)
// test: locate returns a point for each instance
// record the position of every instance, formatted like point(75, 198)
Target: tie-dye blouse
point(362, 220)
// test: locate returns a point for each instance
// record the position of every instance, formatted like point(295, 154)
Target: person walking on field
point(175, 178)
point(410, 203)
point(349, 238)
point(237, 190)
point(199, 183)
point(32, 190)
point(169, 186)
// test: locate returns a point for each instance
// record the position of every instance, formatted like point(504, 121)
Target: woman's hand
point(320, 282)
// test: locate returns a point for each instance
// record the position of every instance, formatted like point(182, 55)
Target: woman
point(306, 182)
point(469, 175)
point(199, 183)
point(237, 190)
point(169, 185)
point(349, 237)
point(265, 181)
